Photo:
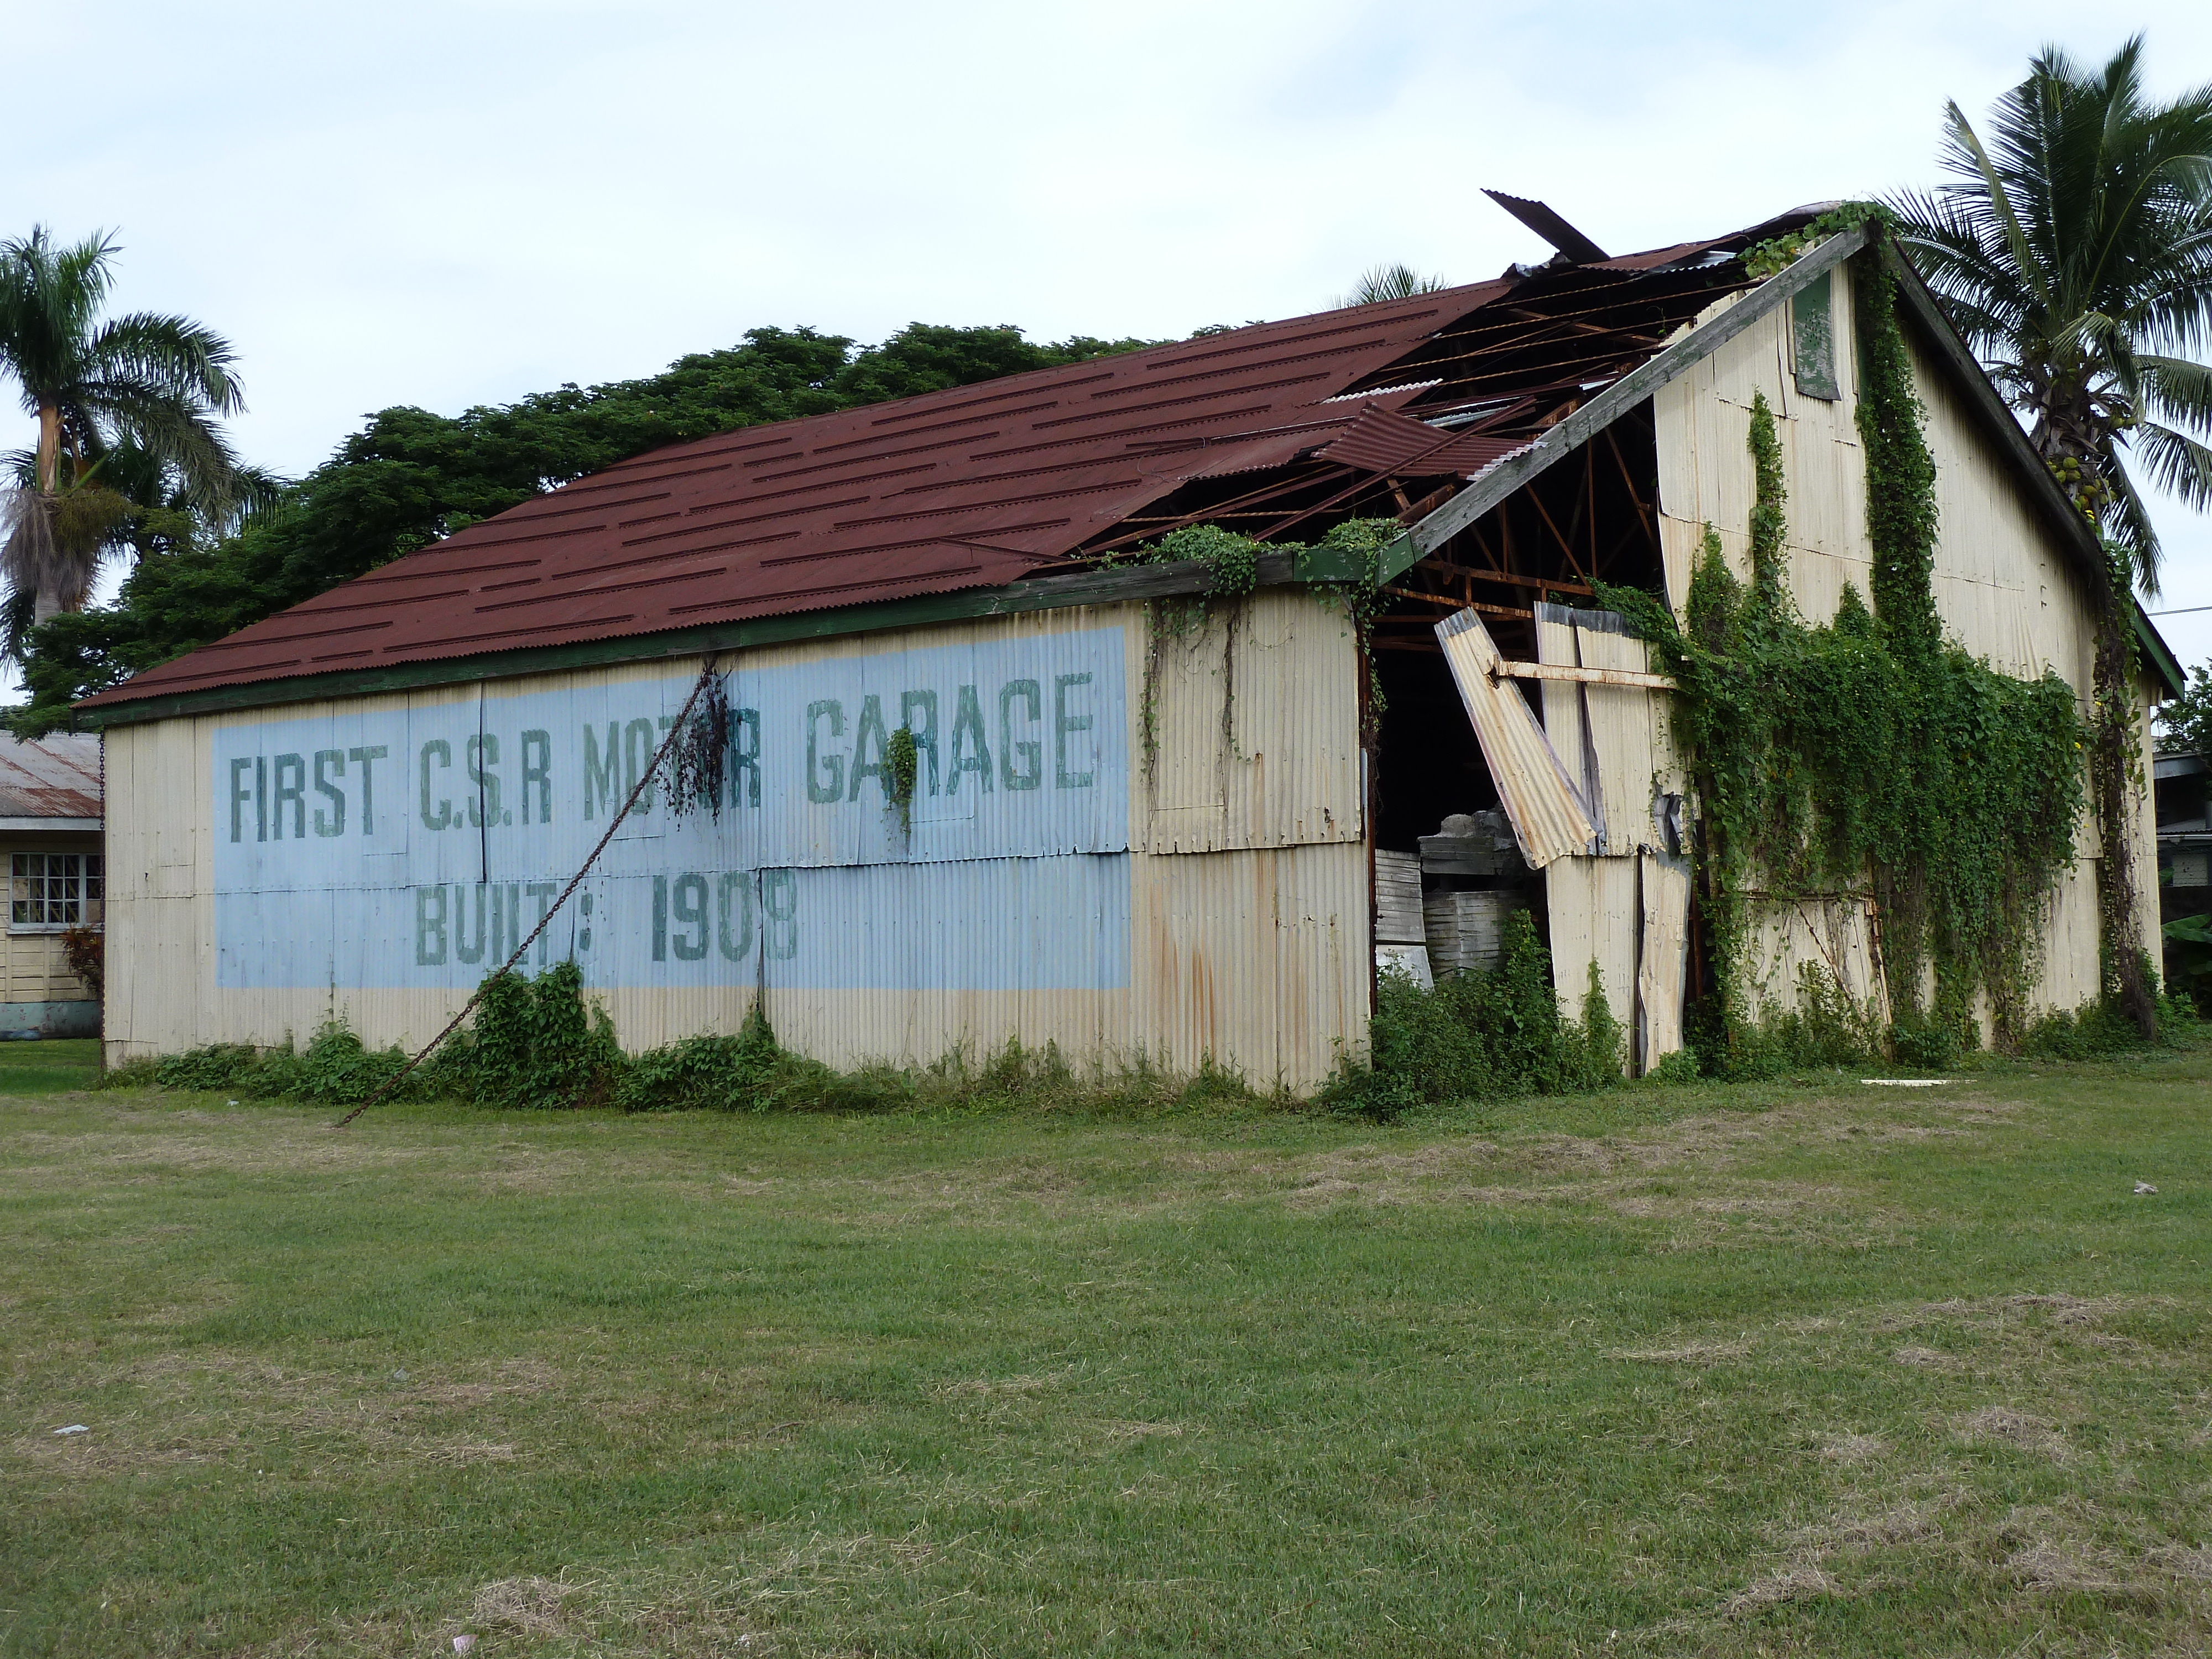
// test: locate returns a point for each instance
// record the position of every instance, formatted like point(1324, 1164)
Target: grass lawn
point(50, 1066)
point(1801, 1367)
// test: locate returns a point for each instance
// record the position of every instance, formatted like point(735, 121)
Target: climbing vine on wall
point(697, 774)
point(902, 765)
point(1868, 757)
point(1232, 564)
point(1901, 517)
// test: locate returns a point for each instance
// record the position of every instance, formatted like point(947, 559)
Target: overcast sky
point(462, 203)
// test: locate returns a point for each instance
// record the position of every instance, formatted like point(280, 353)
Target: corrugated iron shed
point(1278, 429)
point(53, 779)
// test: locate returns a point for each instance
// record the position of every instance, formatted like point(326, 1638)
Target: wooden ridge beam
point(1573, 675)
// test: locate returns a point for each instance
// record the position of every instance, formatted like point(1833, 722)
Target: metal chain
point(552, 910)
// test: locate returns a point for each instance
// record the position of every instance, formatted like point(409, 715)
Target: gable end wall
point(2005, 590)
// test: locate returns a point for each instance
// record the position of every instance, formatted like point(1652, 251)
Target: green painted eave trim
point(1115, 585)
point(2160, 656)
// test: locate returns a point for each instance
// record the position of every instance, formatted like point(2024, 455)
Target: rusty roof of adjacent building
point(52, 777)
point(1278, 430)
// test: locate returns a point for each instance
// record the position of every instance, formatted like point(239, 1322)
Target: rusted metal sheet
point(1381, 442)
point(976, 486)
point(1546, 222)
point(1259, 958)
point(51, 778)
point(1549, 818)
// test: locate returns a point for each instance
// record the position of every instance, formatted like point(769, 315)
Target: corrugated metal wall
point(1058, 881)
point(2003, 591)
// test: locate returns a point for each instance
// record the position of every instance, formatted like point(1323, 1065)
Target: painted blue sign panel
point(418, 847)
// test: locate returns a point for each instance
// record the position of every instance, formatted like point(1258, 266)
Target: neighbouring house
point(2183, 787)
point(50, 834)
point(1177, 809)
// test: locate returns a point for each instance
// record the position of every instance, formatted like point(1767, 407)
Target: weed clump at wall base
point(336, 1069)
point(1479, 1035)
point(541, 1043)
point(752, 1073)
point(535, 1042)
point(748, 1073)
point(2104, 1027)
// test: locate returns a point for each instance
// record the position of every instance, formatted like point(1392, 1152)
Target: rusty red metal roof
point(1275, 428)
point(52, 777)
point(1380, 441)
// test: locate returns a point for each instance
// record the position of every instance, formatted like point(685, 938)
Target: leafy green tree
point(2184, 725)
point(410, 478)
point(124, 405)
point(930, 357)
point(2074, 251)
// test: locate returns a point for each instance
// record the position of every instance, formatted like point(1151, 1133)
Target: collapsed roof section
point(1278, 431)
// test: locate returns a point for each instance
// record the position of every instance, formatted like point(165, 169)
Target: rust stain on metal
point(54, 777)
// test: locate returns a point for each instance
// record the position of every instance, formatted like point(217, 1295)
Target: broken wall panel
point(1537, 792)
point(1662, 956)
point(1624, 906)
point(1617, 732)
point(1564, 715)
point(1595, 917)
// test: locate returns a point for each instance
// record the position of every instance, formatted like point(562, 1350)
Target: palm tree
point(1397, 282)
point(140, 391)
point(2075, 253)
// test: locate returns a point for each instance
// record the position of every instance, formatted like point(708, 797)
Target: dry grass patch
point(1852, 1447)
point(1025, 1383)
point(1926, 1359)
point(1801, 1582)
point(1692, 1353)
point(2004, 1426)
point(529, 1606)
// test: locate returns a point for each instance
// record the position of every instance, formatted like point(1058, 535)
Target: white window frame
point(84, 885)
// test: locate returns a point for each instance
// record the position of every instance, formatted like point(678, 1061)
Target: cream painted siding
point(2004, 589)
point(1255, 748)
point(1245, 862)
point(38, 971)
